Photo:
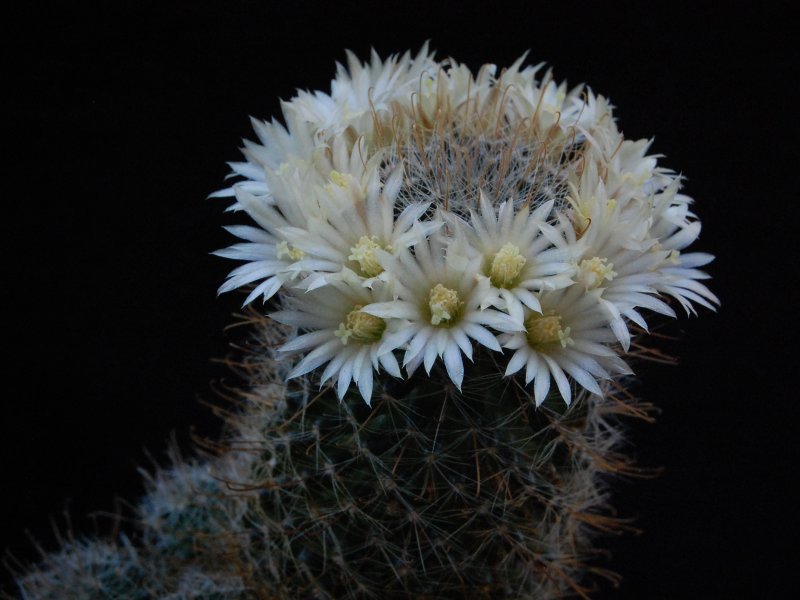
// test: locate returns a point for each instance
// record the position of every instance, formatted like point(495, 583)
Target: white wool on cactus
point(420, 208)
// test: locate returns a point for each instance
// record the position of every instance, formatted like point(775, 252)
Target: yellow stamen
point(545, 330)
point(445, 305)
point(360, 327)
point(340, 179)
point(284, 250)
point(364, 254)
point(595, 270)
point(506, 266)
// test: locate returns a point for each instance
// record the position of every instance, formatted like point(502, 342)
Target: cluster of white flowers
point(420, 209)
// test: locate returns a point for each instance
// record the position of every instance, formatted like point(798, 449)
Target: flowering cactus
point(422, 208)
point(457, 269)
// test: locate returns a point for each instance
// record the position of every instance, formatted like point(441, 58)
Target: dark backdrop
point(119, 123)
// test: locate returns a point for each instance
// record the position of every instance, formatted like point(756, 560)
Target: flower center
point(445, 305)
point(595, 270)
point(339, 181)
point(364, 254)
point(506, 266)
point(544, 330)
point(284, 250)
point(360, 327)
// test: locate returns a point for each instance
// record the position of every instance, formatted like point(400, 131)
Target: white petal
point(463, 342)
point(268, 288)
point(535, 366)
point(528, 299)
point(308, 340)
point(561, 380)
point(365, 382)
point(517, 362)
point(513, 306)
point(396, 309)
point(430, 355)
point(314, 359)
point(541, 386)
point(345, 375)
point(298, 318)
point(582, 377)
point(396, 339)
point(454, 364)
point(389, 363)
point(482, 336)
point(333, 367)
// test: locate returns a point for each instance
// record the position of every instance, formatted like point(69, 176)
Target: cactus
point(178, 548)
point(87, 570)
point(431, 493)
point(425, 212)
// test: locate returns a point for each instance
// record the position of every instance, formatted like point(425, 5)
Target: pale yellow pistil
point(445, 305)
point(594, 271)
point(340, 179)
point(360, 327)
point(364, 254)
point(506, 266)
point(544, 330)
point(284, 250)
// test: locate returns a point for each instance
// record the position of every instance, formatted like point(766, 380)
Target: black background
point(118, 124)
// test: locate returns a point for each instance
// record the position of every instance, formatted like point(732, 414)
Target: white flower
point(519, 254)
point(364, 92)
point(615, 254)
point(675, 228)
point(352, 225)
point(568, 337)
point(421, 207)
point(269, 255)
point(279, 144)
point(440, 295)
point(340, 333)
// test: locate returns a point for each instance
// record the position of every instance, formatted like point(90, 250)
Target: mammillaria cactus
point(456, 270)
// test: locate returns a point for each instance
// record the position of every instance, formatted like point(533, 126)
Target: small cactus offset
point(456, 268)
point(180, 549)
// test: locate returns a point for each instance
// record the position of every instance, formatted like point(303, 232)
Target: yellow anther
point(544, 330)
point(445, 305)
point(361, 327)
point(506, 266)
point(340, 179)
point(284, 250)
point(594, 271)
point(364, 254)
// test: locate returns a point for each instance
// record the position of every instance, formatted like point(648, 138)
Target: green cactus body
point(428, 493)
